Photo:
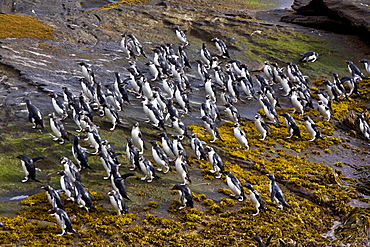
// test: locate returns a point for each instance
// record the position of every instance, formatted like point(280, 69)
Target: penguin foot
point(159, 169)
point(218, 176)
point(61, 142)
point(256, 213)
point(59, 235)
point(149, 181)
point(24, 180)
point(181, 207)
point(132, 168)
point(240, 199)
point(142, 179)
point(105, 177)
point(55, 139)
point(111, 129)
point(212, 171)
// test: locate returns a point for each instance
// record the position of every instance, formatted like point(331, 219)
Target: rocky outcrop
point(345, 16)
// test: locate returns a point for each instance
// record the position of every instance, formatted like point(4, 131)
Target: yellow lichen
point(18, 26)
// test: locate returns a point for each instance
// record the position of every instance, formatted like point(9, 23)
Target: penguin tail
point(286, 205)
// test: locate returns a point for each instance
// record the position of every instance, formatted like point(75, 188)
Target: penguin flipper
point(269, 240)
point(124, 176)
point(37, 159)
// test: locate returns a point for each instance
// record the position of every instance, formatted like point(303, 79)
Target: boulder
point(348, 16)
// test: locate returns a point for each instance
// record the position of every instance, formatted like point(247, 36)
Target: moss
point(18, 26)
point(119, 3)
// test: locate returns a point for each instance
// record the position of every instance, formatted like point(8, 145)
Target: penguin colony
point(164, 96)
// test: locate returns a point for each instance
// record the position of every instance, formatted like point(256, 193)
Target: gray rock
point(336, 15)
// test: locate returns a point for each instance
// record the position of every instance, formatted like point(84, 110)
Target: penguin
point(267, 71)
point(268, 109)
point(107, 162)
point(260, 242)
point(235, 186)
point(285, 83)
point(79, 154)
point(83, 197)
point(34, 115)
point(208, 86)
point(58, 105)
point(87, 72)
point(182, 168)
point(179, 126)
point(205, 55)
point(182, 99)
point(292, 126)
point(70, 169)
point(111, 96)
point(366, 63)
point(221, 47)
point(67, 185)
point(147, 168)
point(312, 128)
point(240, 136)
point(261, 126)
point(324, 97)
point(271, 95)
point(137, 138)
point(160, 157)
point(219, 76)
point(180, 34)
point(29, 167)
point(332, 91)
point(177, 146)
point(153, 70)
point(112, 115)
point(137, 48)
point(210, 106)
point(94, 138)
point(121, 88)
point(324, 110)
point(63, 221)
point(184, 57)
point(290, 70)
point(118, 181)
point(53, 197)
point(296, 101)
point(167, 145)
point(211, 128)
point(232, 113)
point(197, 146)
point(355, 71)
point(124, 45)
point(364, 126)
point(231, 85)
point(146, 89)
point(88, 89)
point(117, 202)
point(108, 150)
point(186, 196)
point(352, 84)
point(67, 95)
point(247, 87)
point(216, 162)
point(76, 116)
point(309, 56)
point(155, 116)
point(202, 71)
point(132, 154)
point(275, 193)
point(262, 82)
point(256, 199)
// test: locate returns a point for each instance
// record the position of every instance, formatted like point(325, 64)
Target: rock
point(335, 15)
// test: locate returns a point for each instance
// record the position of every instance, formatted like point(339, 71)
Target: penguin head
point(176, 187)
point(21, 157)
point(209, 149)
point(271, 176)
point(46, 187)
point(249, 186)
point(61, 173)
